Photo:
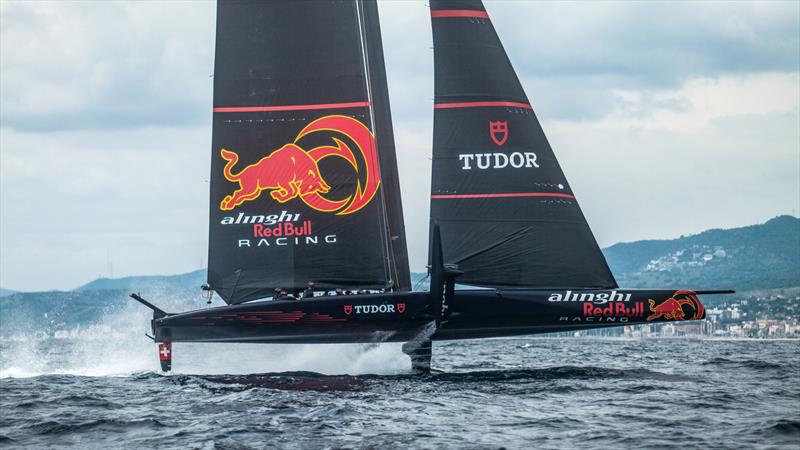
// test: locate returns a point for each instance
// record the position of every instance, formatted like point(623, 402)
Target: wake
point(116, 345)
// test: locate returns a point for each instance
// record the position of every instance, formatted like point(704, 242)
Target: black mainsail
point(304, 183)
point(507, 214)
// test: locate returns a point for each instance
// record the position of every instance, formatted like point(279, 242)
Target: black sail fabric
point(297, 174)
point(506, 213)
point(401, 276)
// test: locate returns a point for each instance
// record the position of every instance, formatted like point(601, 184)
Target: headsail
point(506, 213)
point(303, 175)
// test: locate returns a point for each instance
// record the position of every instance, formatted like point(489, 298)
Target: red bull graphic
point(677, 307)
point(291, 172)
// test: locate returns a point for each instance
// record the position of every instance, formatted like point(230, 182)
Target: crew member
point(309, 292)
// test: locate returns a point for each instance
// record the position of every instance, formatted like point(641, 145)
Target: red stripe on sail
point(445, 13)
point(512, 194)
point(235, 109)
point(481, 105)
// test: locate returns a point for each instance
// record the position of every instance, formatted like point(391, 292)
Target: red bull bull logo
point(683, 305)
point(292, 172)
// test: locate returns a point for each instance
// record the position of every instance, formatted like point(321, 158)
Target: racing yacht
point(305, 189)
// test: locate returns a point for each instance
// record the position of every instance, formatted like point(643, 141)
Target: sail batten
point(301, 168)
point(311, 107)
point(506, 213)
point(482, 104)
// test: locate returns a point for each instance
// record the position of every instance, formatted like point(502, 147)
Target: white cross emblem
point(164, 351)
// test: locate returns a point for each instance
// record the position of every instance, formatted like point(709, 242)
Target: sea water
point(98, 386)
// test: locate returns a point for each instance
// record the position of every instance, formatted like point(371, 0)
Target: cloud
point(69, 198)
point(103, 65)
point(729, 153)
point(649, 43)
point(667, 117)
point(699, 102)
point(65, 65)
point(574, 54)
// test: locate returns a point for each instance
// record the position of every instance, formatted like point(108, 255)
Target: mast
point(382, 118)
point(506, 213)
point(299, 152)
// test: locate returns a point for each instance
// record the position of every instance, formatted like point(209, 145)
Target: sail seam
point(459, 13)
point(235, 109)
point(446, 220)
point(481, 105)
point(506, 195)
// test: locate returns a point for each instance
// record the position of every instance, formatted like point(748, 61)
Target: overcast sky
point(668, 119)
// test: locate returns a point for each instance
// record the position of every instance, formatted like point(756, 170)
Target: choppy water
point(89, 388)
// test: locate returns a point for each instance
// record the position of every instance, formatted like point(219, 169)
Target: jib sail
point(506, 213)
point(304, 183)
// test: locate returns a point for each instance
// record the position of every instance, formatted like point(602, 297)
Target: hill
point(758, 257)
point(190, 280)
point(764, 256)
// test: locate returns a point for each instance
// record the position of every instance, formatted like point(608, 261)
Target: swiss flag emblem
point(499, 132)
point(401, 307)
point(165, 351)
point(348, 309)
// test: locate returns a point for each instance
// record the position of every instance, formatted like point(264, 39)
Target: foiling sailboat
point(304, 188)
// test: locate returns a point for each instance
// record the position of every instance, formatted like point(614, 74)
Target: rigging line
point(386, 231)
point(236, 283)
point(419, 283)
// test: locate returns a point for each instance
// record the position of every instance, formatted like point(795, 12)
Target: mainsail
point(304, 184)
point(506, 213)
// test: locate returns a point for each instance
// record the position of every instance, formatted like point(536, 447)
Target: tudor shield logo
point(498, 132)
point(348, 309)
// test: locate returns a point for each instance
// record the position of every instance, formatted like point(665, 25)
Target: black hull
point(406, 316)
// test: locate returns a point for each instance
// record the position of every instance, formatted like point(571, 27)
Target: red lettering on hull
point(613, 310)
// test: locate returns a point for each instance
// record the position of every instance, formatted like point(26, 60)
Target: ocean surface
point(99, 387)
